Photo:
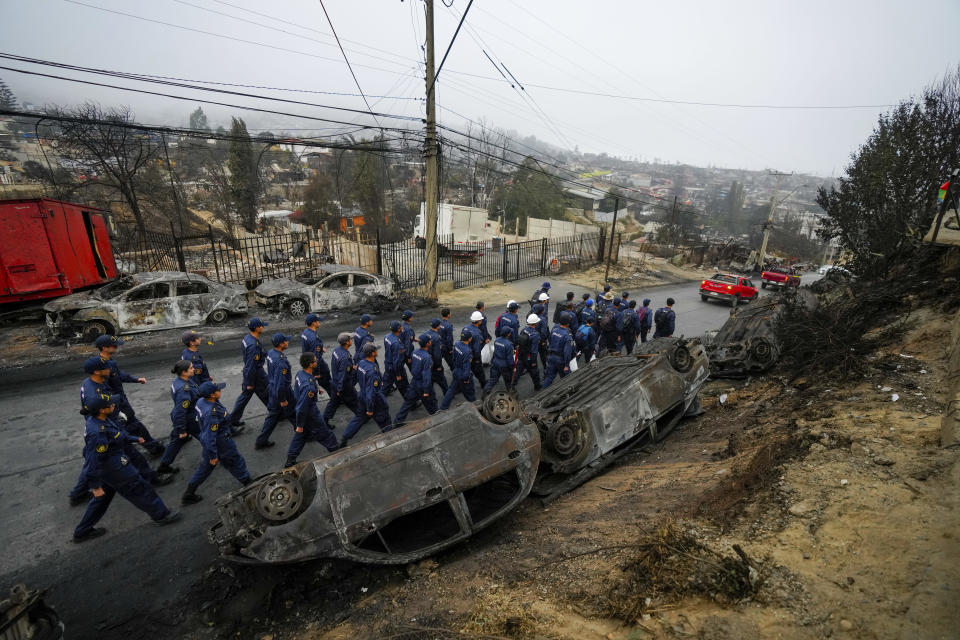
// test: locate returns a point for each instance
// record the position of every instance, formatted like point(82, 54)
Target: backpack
point(660, 318)
point(608, 321)
point(581, 337)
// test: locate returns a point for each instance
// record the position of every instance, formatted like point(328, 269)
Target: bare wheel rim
point(280, 497)
point(502, 407)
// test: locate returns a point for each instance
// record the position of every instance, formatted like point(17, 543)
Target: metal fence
point(152, 251)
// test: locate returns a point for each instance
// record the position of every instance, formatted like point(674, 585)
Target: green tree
point(7, 99)
point(532, 193)
point(198, 120)
point(319, 207)
point(244, 178)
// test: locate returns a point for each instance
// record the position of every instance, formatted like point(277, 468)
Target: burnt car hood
point(390, 499)
point(279, 286)
point(73, 302)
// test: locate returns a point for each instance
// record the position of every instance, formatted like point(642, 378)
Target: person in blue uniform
point(528, 348)
point(373, 404)
point(562, 306)
point(408, 337)
point(586, 340)
point(310, 342)
point(216, 438)
point(508, 319)
point(254, 381)
point(561, 351)
point(308, 423)
point(544, 328)
point(631, 326)
point(191, 352)
point(394, 361)
point(279, 377)
point(476, 346)
point(646, 319)
point(588, 312)
point(504, 361)
point(436, 354)
point(421, 383)
point(538, 296)
point(108, 346)
point(665, 320)
point(462, 381)
point(343, 379)
point(108, 471)
point(482, 310)
point(361, 336)
point(185, 392)
point(446, 335)
point(604, 298)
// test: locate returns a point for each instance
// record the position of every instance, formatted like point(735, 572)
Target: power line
point(452, 40)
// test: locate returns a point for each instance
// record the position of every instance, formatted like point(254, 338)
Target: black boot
point(165, 468)
point(290, 462)
point(161, 480)
point(190, 496)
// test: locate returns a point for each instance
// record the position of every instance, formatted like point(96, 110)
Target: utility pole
point(430, 150)
point(766, 228)
point(613, 231)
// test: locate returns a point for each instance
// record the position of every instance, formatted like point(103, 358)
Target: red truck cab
point(728, 287)
point(779, 278)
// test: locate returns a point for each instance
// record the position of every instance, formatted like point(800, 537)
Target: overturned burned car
point(391, 499)
point(413, 491)
point(145, 302)
point(322, 288)
point(747, 342)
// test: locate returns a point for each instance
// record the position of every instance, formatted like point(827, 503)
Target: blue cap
point(565, 317)
point(606, 288)
point(646, 301)
point(626, 294)
point(100, 401)
point(278, 338)
point(465, 335)
point(94, 364)
point(256, 322)
point(394, 325)
point(424, 339)
point(546, 285)
point(311, 318)
point(365, 318)
point(616, 302)
point(506, 332)
point(589, 302)
point(538, 309)
point(406, 315)
point(209, 387)
point(435, 323)
point(106, 341)
point(513, 305)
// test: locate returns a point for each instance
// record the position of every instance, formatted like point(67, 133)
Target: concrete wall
point(539, 228)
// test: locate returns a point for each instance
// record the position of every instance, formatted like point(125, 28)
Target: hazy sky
point(836, 52)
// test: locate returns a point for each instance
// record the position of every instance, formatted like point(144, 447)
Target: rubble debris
point(24, 615)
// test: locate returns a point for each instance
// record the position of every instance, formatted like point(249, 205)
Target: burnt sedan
point(391, 499)
point(145, 302)
point(323, 288)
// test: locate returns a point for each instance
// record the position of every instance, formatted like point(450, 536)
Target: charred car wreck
point(413, 491)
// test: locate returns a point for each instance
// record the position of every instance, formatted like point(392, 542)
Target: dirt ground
point(836, 490)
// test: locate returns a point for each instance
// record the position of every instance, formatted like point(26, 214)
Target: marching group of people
point(595, 326)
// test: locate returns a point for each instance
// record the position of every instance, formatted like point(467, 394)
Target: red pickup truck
point(729, 288)
point(778, 278)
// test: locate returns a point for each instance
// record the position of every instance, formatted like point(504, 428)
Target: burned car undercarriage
point(413, 491)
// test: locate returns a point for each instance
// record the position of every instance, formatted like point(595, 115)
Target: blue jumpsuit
point(630, 327)
point(586, 340)
point(307, 417)
point(372, 400)
point(310, 342)
point(646, 320)
point(587, 312)
point(107, 467)
point(407, 337)
point(436, 354)
point(183, 416)
point(360, 337)
point(666, 326)
point(200, 372)
point(527, 352)
point(462, 376)
point(133, 426)
point(421, 386)
point(217, 442)
point(278, 389)
point(446, 334)
point(483, 330)
point(342, 383)
point(503, 364)
point(253, 376)
point(511, 320)
point(561, 352)
point(543, 327)
point(476, 346)
point(394, 361)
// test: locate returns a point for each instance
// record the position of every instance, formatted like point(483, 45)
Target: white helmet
point(510, 303)
point(476, 316)
point(533, 319)
point(543, 297)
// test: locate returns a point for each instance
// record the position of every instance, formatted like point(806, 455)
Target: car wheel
point(217, 316)
point(703, 297)
point(763, 285)
point(297, 308)
point(733, 303)
point(501, 407)
point(96, 328)
point(680, 359)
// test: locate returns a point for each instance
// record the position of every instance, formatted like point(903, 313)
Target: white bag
point(573, 365)
point(486, 354)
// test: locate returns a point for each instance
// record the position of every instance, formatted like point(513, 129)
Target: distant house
point(586, 200)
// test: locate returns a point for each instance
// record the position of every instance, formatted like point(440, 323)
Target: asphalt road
point(128, 575)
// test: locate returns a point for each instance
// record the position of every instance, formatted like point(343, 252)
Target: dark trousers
point(629, 341)
point(527, 366)
point(322, 374)
point(555, 366)
point(136, 459)
point(346, 397)
point(176, 443)
point(275, 413)
point(611, 340)
point(476, 365)
point(587, 354)
point(496, 372)
point(395, 380)
point(543, 355)
point(448, 357)
point(315, 430)
point(414, 397)
point(458, 386)
point(136, 428)
point(137, 490)
point(227, 455)
point(643, 334)
point(381, 414)
point(259, 389)
point(438, 378)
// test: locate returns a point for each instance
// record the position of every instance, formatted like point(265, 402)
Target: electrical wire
point(449, 46)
